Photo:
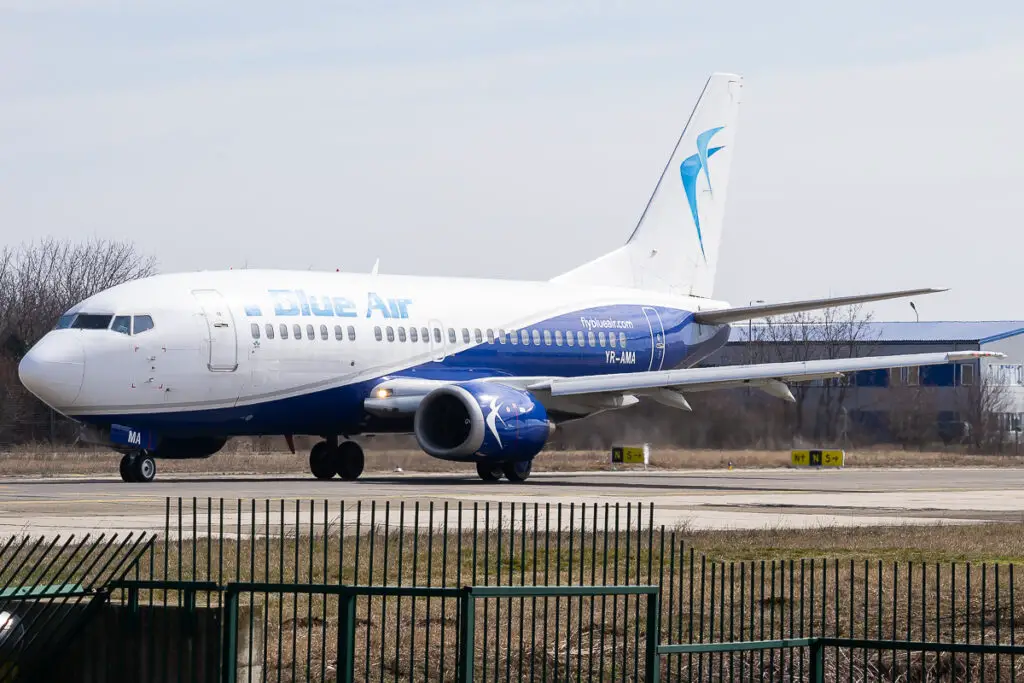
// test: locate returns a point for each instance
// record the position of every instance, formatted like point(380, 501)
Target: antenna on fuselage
point(376, 265)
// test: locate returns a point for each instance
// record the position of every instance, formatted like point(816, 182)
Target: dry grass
point(877, 582)
point(42, 462)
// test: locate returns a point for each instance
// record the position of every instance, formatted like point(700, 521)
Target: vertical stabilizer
point(674, 247)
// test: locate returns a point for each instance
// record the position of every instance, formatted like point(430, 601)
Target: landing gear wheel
point(517, 471)
point(143, 468)
point(323, 461)
point(489, 471)
point(350, 460)
point(125, 468)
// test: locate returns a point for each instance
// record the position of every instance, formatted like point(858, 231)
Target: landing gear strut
point(327, 459)
point(138, 468)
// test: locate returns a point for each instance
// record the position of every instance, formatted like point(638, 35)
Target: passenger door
point(220, 323)
point(657, 337)
point(438, 341)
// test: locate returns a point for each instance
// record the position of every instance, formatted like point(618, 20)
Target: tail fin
point(674, 247)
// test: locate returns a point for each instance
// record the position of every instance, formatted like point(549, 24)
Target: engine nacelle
point(188, 448)
point(461, 421)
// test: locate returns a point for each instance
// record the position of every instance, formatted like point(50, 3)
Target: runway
point(739, 499)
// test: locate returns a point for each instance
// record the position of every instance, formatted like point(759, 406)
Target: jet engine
point(460, 421)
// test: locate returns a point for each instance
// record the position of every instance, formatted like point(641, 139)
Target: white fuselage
point(283, 352)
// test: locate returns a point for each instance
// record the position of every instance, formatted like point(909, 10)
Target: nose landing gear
point(137, 468)
point(327, 459)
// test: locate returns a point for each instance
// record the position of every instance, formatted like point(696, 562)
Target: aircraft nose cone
point(54, 368)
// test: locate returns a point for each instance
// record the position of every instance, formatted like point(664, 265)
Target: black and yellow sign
point(818, 458)
point(629, 455)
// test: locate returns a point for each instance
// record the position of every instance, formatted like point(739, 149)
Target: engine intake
point(463, 421)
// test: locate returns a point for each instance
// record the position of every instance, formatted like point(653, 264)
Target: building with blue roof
point(948, 401)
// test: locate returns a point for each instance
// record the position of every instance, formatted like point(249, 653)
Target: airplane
point(480, 371)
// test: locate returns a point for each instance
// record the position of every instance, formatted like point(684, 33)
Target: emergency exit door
point(220, 325)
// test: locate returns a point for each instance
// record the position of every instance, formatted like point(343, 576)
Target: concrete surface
point(702, 499)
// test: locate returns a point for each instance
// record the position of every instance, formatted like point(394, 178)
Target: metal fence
point(318, 589)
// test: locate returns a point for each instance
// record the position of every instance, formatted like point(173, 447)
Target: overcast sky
point(880, 144)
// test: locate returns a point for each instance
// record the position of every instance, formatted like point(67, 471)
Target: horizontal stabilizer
point(732, 315)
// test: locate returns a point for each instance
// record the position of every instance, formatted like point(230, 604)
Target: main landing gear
point(513, 471)
point(138, 468)
point(328, 458)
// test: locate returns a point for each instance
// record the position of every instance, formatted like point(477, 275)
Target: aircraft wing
point(401, 396)
point(771, 376)
point(732, 315)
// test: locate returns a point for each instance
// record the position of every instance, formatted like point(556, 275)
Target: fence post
point(817, 673)
point(653, 662)
point(230, 640)
point(347, 638)
point(467, 636)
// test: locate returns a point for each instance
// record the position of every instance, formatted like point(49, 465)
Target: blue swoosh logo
point(691, 168)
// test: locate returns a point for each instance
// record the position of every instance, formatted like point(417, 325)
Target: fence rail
point(542, 610)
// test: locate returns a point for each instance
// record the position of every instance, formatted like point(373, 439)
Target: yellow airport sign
point(818, 458)
point(630, 455)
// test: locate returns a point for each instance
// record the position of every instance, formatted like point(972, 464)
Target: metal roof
point(978, 331)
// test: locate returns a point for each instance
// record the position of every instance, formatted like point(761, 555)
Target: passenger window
point(478, 335)
point(391, 333)
point(622, 339)
point(339, 334)
point(536, 337)
point(351, 333)
point(142, 323)
point(600, 339)
point(284, 331)
point(413, 335)
point(558, 337)
point(324, 334)
point(570, 338)
point(547, 337)
point(437, 335)
point(451, 335)
point(580, 339)
point(401, 334)
point(377, 334)
point(524, 336)
point(297, 331)
point(490, 336)
point(122, 324)
point(255, 330)
point(591, 339)
point(465, 335)
point(513, 337)
point(611, 339)
point(310, 333)
point(270, 331)
point(425, 335)
point(501, 336)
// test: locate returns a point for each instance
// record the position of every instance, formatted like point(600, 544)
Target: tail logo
point(691, 168)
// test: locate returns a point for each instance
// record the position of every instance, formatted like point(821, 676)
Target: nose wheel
point(345, 460)
point(137, 468)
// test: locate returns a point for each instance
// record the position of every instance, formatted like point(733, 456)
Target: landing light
point(383, 393)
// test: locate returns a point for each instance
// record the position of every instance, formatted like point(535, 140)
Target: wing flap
point(703, 379)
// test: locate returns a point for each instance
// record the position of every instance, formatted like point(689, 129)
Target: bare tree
point(831, 334)
point(38, 282)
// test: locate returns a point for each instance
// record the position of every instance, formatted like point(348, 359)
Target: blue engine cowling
point(477, 419)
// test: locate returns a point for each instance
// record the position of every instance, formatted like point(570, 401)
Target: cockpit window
point(64, 322)
point(91, 321)
point(142, 324)
point(122, 324)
